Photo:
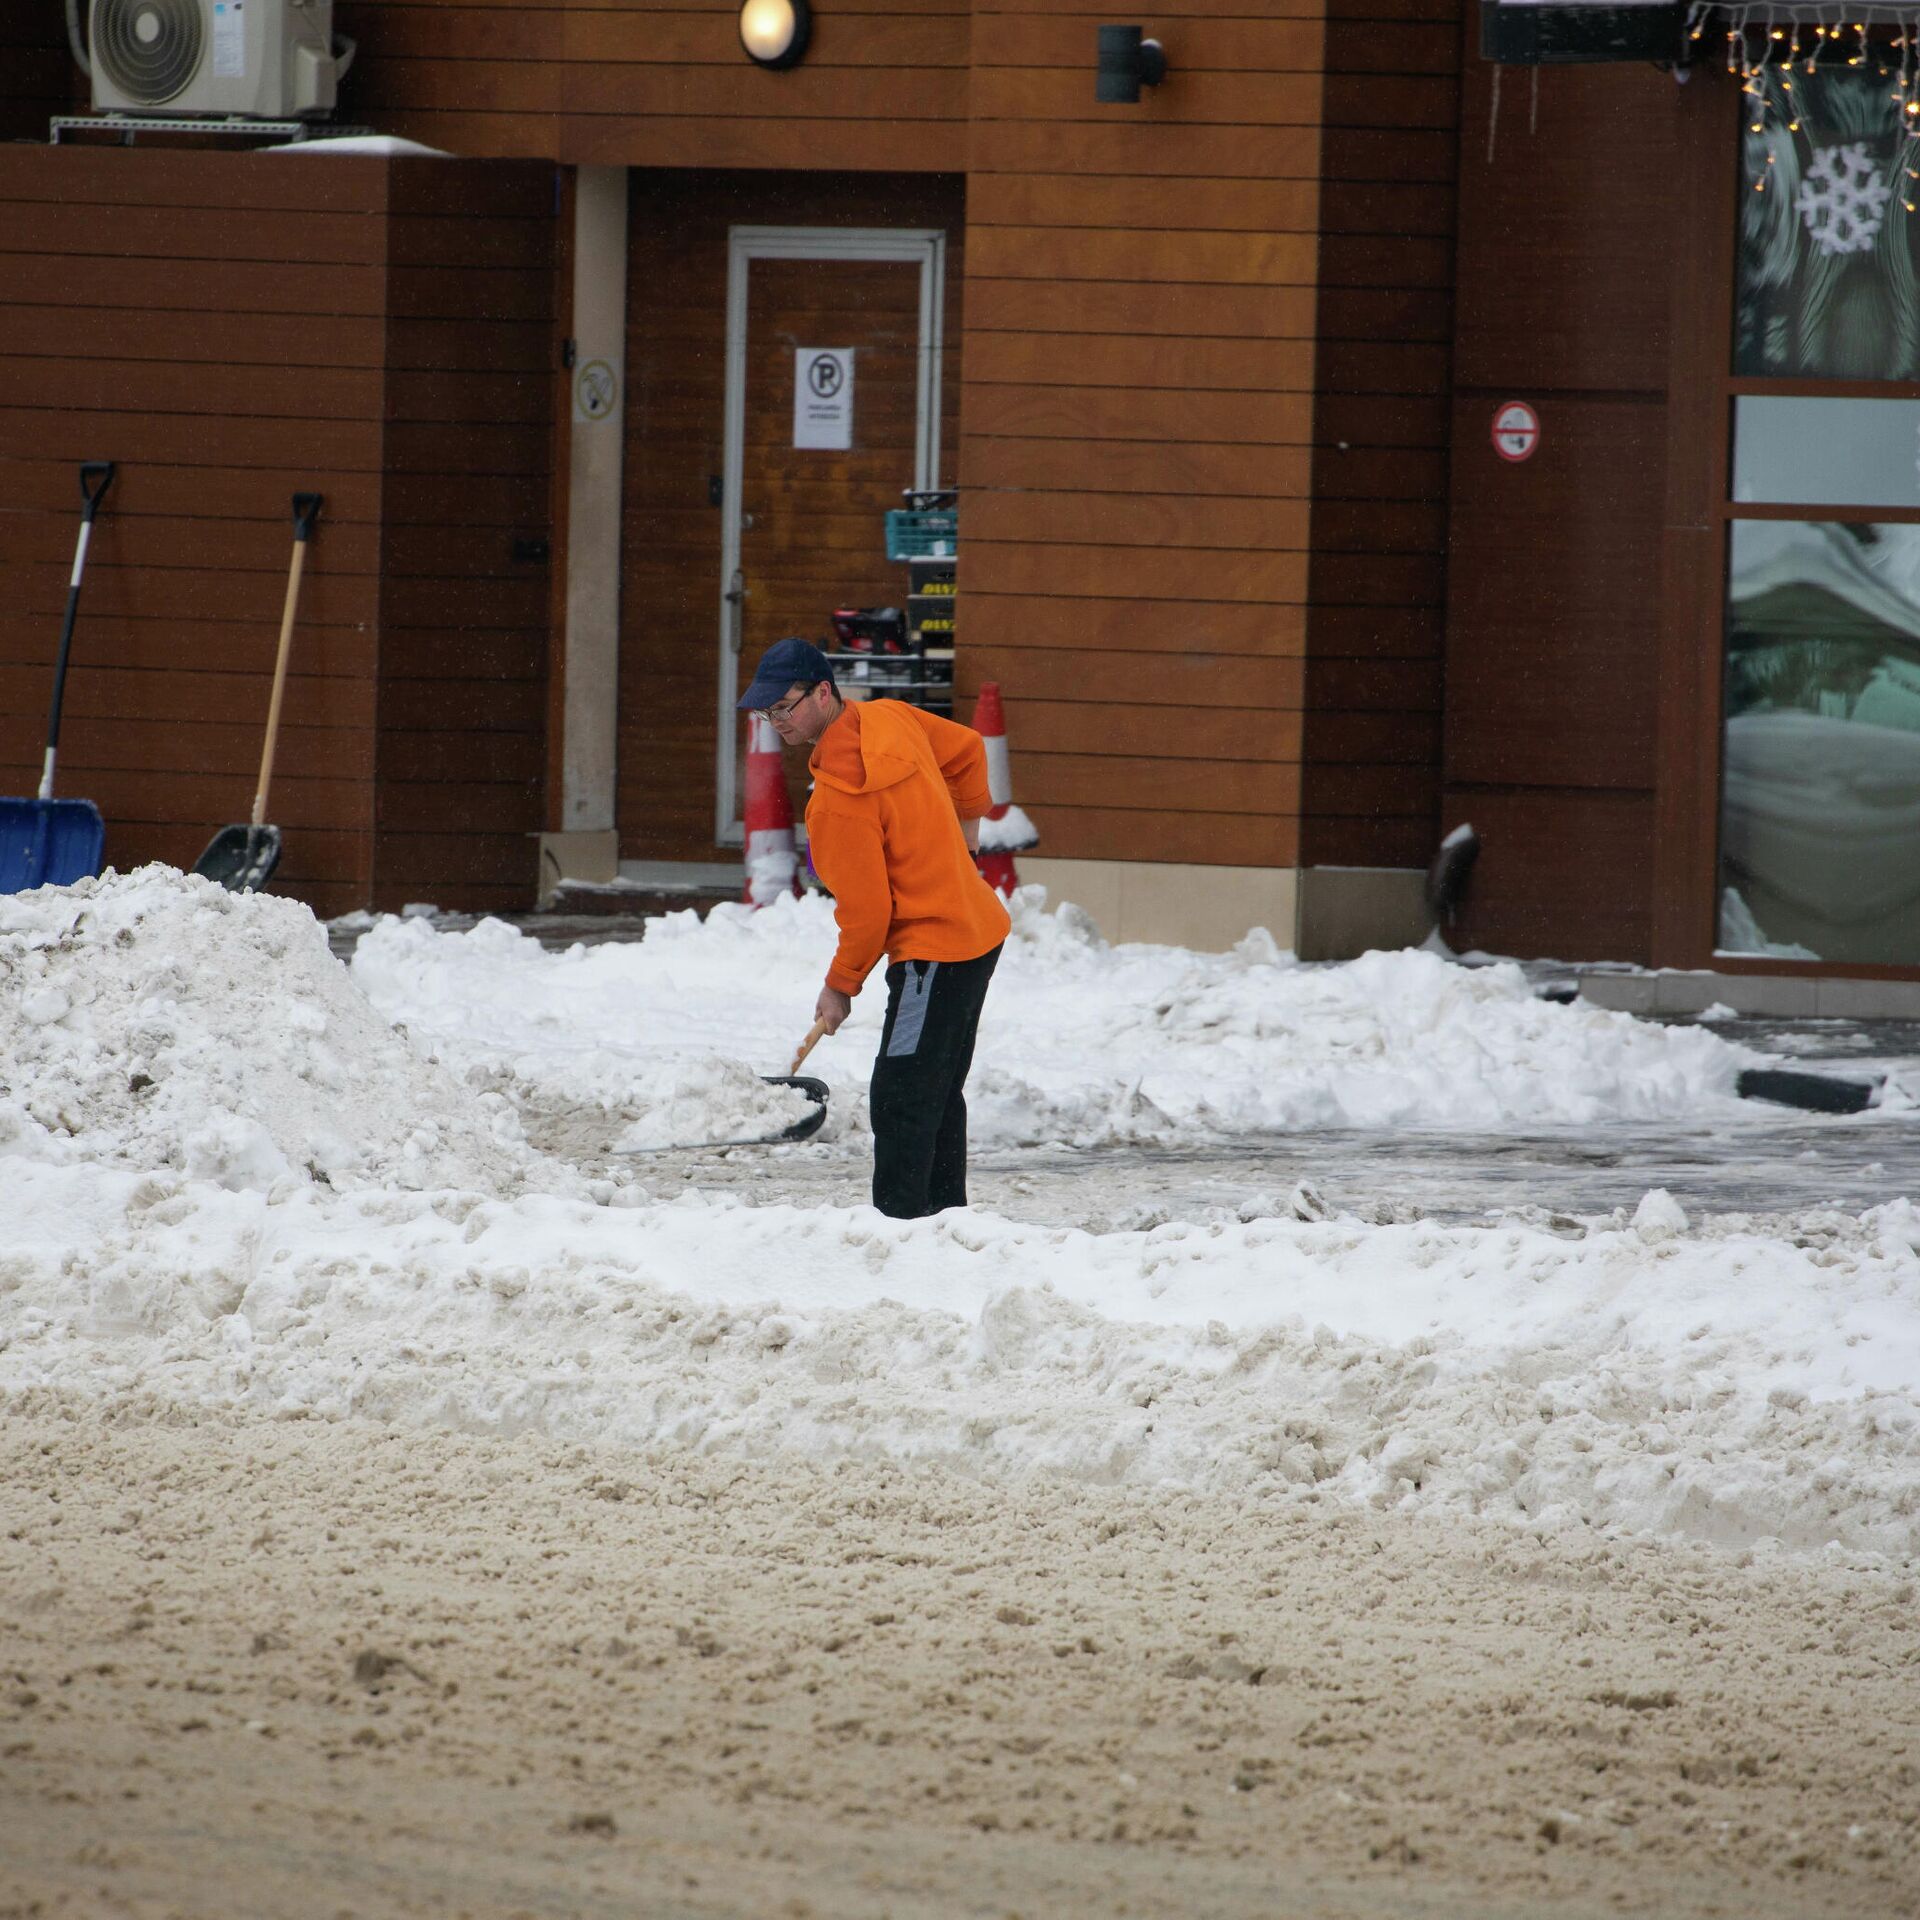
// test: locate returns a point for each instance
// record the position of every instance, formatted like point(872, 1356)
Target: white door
point(805, 486)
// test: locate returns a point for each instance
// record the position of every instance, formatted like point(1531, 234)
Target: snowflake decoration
point(1843, 200)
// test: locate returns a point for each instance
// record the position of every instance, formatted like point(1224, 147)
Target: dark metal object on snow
point(241, 858)
point(1815, 1092)
point(1447, 876)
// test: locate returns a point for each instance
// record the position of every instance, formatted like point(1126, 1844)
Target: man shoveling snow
point(892, 824)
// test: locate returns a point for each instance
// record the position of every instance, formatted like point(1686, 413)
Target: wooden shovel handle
point(807, 1045)
point(279, 683)
point(306, 509)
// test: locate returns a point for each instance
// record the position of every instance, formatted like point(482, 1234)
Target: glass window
point(1829, 257)
point(1802, 451)
point(1820, 787)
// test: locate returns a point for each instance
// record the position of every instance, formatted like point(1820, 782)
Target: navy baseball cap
point(786, 664)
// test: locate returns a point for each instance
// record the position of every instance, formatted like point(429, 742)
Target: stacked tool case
point(885, 654)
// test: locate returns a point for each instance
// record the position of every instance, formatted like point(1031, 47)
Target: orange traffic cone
point(773, 864)
point(1006, 830)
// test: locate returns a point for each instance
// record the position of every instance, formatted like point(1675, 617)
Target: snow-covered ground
point(228, 1182)
point(1081, 1043)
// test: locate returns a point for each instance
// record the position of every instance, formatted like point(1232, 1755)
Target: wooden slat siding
point(1554, 595)
point(462, 748)
point(1370, 791)
point(220, 388)
point(884, 85)
point(1138, 412)
point(670, 577)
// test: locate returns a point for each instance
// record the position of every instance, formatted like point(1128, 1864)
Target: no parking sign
point(823, 397)
point(1516, 431)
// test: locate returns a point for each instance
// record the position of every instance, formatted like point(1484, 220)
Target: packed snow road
point(1772, 1165)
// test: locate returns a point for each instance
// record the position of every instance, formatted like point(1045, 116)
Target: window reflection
point(1829, 258)
point(1797, 450)
point(1820, 796)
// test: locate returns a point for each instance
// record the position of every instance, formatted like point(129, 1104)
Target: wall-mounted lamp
point(1126, 64)
point(774, 32)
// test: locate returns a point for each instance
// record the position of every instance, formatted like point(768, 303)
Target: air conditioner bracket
point(129, 125)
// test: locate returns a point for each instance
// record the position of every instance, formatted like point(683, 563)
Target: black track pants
point(918, 1098)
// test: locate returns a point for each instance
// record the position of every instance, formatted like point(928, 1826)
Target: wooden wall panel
point(187, 571)
point(1138, 420)
point(465, 586)
point(1554, 589)
point(883, 87)
point(677, 268)
point(1370, 792)
point(230, 329)
point(1548, 664)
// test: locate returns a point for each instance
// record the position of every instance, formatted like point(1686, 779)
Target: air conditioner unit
point(250, 59)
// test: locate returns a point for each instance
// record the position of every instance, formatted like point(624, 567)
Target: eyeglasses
point(780, 709)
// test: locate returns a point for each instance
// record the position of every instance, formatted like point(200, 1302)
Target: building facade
point(1215, 373)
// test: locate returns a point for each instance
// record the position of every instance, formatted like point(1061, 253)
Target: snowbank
point(1082, 1043)
point(1734, 1385)
point(228, 1181)
point(156, 1021)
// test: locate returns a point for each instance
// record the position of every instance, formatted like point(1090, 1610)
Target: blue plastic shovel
point(46, 842)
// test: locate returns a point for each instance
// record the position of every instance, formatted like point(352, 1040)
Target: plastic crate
point(920, 536)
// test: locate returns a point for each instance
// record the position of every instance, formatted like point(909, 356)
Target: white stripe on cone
point(1006, 830)
point(773, 859)
point(999, 772)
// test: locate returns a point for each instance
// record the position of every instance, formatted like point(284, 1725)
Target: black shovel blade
point(816, 1090)
point(1815, 1092)
point(241, 859)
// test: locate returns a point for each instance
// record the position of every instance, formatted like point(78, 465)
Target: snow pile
point(1010, 832)
point(1081, 1043)
point(155, 1020)
point(1751, 1381)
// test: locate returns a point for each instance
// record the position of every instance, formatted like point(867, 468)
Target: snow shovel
point(242, 859)
point(816, 1090)
point(804, 1128)
point(46, 842)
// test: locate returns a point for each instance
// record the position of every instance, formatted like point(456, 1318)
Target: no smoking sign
point(1516, 431)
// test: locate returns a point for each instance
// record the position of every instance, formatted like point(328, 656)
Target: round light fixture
point(774, 32)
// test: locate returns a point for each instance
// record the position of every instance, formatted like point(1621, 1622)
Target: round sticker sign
point(1516, 431)
point(595, 388)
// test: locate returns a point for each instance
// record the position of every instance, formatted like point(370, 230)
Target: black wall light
point(774, 32)
point(1126, 64)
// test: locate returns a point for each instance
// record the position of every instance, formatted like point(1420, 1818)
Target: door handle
point(736, 597)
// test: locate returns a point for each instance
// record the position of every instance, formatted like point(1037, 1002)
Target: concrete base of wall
point(1345, 911)
point(1784, 996)
point(592, 856)
point(1205, 907)
point(1322, 913)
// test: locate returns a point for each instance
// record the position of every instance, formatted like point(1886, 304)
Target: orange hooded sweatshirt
point(892, 784)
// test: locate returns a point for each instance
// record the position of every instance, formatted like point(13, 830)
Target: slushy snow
point(1737, 1380)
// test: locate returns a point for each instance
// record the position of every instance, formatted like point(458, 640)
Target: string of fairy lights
point(1770, 48)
